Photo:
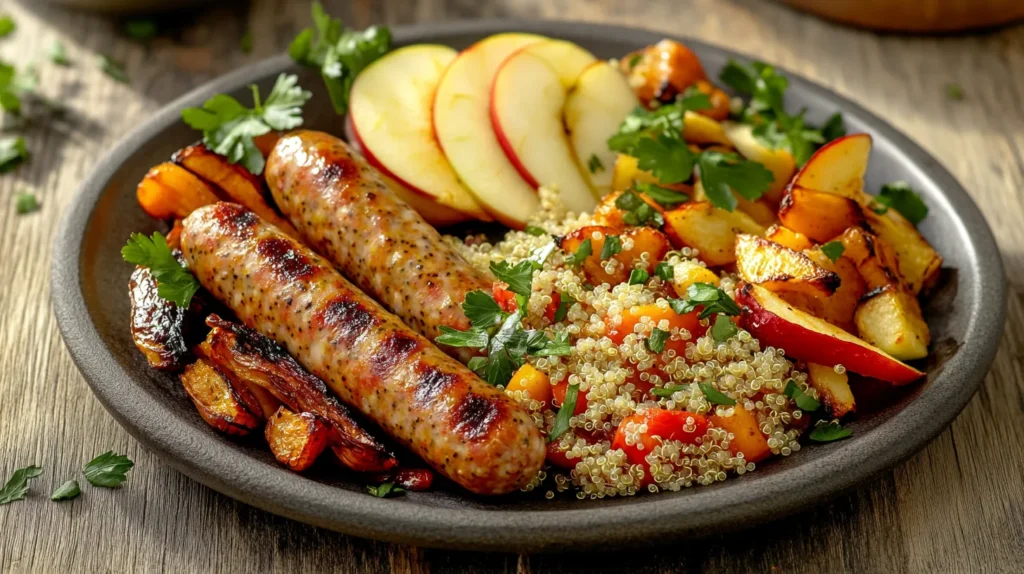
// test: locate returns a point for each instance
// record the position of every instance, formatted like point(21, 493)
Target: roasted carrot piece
point(662, 425)
point(169, 190)
point(747, 437)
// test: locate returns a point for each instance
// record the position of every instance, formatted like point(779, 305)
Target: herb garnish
point(12, 152)
point(245, 42)
point(339, 53)
point(713, 299)
point(638, 277)
point(898, 195)
point(59, 54)
point(565, 412)
point(722, 173)
point(954, 91)
point(25, 203)
point(114, 69)
point(665, 271)
point(829, 432)
point(566, 302)
point(585, 250)
point(384, 490)
point(714, 396)
point(668, 391)
point(17, 486)
point(656, 340)
point(7, 25)
point(66, 491)
point(612, 246)
point(14, 84)
point(723, 329)
point(229, 127)
point(664, 196)
point(174, 282)
point(140, 30)
point(802, 400)
point(594, 164)
point(833, 250)
point(534, 230)
point(637, 211)
point(108, 470)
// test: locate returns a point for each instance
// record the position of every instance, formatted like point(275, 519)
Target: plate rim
point(644, 520)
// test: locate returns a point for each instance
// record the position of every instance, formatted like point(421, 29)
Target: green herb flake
point(723, 329)
point(638, 277)
point(535, 231)
point(833, 128)
point(564, 304)
point(802, 400)
point(114, 69)
point(665, 271)
point(612, 246)
point(557, 347)
point(721, 174)
point(174, 282)
point(656, 341)
point(663, 196)
point(900, 196)
point(634, 60)
point(954, 91)
point(229, 127)
point(565, 412)
point(481, 309)
point(385, 489)
point(829, 432)
point(594, 164)
point(833, 250)
point(108, 470)
point(140, 30)
point(585, 250)
point(25, 203)
point(245, 42)
point(12, 152)
point(17, 486)
point(478, 365)
point(7, 26)
point(711, 298)
point(519, 276)
point(637, 211)
point(474, 337)
point(714, 396)
point(668, 158)
point(66, 491)
point(59, 54)
point(668, 391)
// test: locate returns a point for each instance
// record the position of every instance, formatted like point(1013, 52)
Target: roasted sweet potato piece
point(710, 230)
point(818, 214)
point(615, 270)
point(169, 190)
point(917, 261)
point(255, 359)
point(225, 405)
point(890, 319)
point(160, 329)
point(837, 309)
point(747, 437)
point(779, 268)
point(296, 439)
point(607, 214)
point(234, 181)
point(874, 258)
point(661, 72)
point(833, 388)
point(788, 238)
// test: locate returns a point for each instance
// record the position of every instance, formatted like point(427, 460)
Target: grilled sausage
point(468, 430)
point(344, 210)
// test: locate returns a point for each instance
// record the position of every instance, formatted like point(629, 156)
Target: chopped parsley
point(714, 396)
point(723, 329)
point(25, 203)
point(14, 84)
point(114, 69)
point(565, 412)
point(475, 337)
point(66, 491)
point(612, 246)
point(174, 282)
point(829, 432)
point(481, 309)
point(722, 173)
point(664, 196)
point(711, 298)
point(534, 230)
point(586, 249)
point(954, 91)
point(339, 53)
point(108, 470)
point(59, 54)
point(7, 25)
point(833, 250)
point(667, 120)
point(385, 489)
point(637, 211)
point(656, 341)
point(634, 60)
point(668, 391)
point(519, 276)
point(245, 42)
point(17, 487)
point(229, 127)
point(594, 164)
point(12, 152)
point(900, 196)
point(638, 277)
point(802, 400)
point(665, 271)
point(564, 304)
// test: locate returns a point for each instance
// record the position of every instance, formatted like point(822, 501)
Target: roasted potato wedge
point(702, 130)
point(233, 180)
point(917, 261)
point(253, 358)
point(833, 388)
point(874, 259)
point(710, 230)
point(689, 272)
point(227, 406)
point(788, 238)
point(160, 329)
point(297, 439)
point(760, 210)
point(171, 191)
point(780, 269)
point(818, 214)
point(838, 308)
point(635, 242)
point(890, 319)
point(607, 214)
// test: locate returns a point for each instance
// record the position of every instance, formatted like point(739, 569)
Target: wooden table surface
point(957, 506)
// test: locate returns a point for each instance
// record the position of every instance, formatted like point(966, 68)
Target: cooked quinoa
point(607, 374)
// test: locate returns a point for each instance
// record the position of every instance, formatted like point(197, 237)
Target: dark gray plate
point(89, 297)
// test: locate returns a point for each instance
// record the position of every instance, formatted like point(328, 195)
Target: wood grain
point(958, 506)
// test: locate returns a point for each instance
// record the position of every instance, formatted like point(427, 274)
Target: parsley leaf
point(954, 91)
point(557, 347)
point(662, 195)
point(59, 54)
point(638, 277)
point(898, 195)
point(565, 412)
point(668, 158)
point(594, 164)
point(25, 203)
point(668, 391)
point(656, 341)
point(108, 470)
point(474, 337)
point(13, 85)
point(566, 302)
point(665, 271)
point(534, 230)
point(7, 25)
point(174, 282)
point(66, 491)
point(245, 42)
point(585, 250)
point(340, 53)
point(829, 432)
point(114, 69)
point(802, 400)
point(722, 173)
point(229, 127)
point(481, 309)
point(833, 250)
point(478, 365)
point(666, 120)
point(17, 487)
point(637, 211)
point(713, 299)
point(714, 396)
point(723, 329)
point(519, 276)
point(12, 152)
point(833, 128)
point(612, 246)
point(384, 489)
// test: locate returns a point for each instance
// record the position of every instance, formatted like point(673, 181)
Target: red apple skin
point(506, 145)
point(350, 128)
point(824, 150)
point(804, 343)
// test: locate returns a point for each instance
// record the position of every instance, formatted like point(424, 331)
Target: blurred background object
point(916, 15)
point(126, 6)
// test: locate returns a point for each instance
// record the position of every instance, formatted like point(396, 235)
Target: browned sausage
point(468, 430)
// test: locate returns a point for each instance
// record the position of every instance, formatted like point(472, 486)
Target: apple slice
point(526, 112)
point(838, 167)
point(567, 59)
point(462, 125)
point(802, 336)
point(594, 110)
point(389, 109)
point(431, 211)
point(778, 161)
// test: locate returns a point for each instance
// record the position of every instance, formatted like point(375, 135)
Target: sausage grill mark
point(432, 384)
point(284, 261)
point(347, 318)
point(238, 220)
point(392, 352)
point(474, 416)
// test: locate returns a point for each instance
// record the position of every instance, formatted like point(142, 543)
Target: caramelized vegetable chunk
point(171, 191)
point(617, 266)
point(226, 405)
point(747, 438)
point(160, 329)
point(296, 439)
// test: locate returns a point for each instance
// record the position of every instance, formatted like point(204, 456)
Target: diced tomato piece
point(556, 456)
point(558, 393)
point(504, 298)
point(661, 425)
point(552, 308)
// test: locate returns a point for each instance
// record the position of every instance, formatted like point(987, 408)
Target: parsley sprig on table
point(501, 334)
point(229, 127)
point(17, 487)
point(108, 470)
point(339, 53)
point(174, 282)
